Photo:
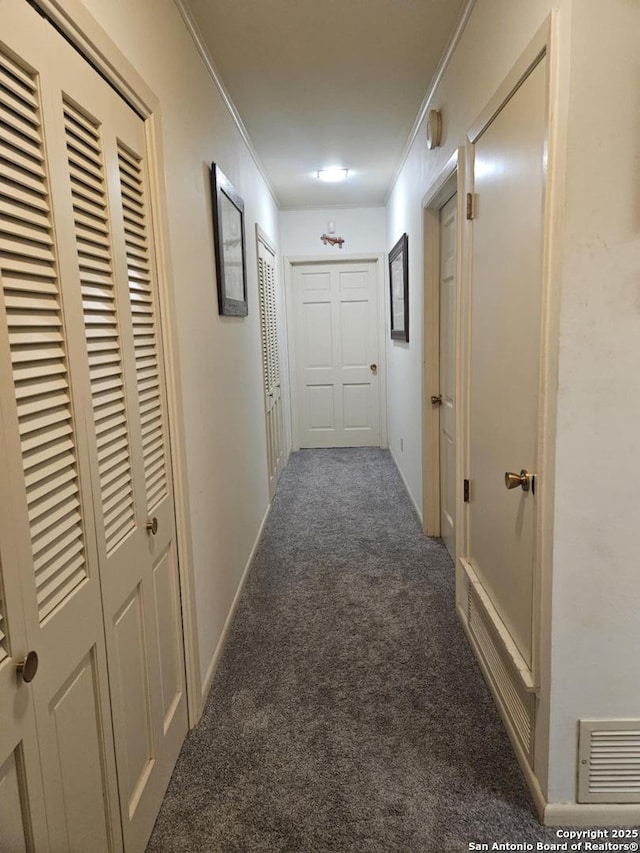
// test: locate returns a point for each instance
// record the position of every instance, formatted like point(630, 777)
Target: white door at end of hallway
point(337, 354)
point(448, 343)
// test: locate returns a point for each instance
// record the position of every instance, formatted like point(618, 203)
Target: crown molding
point(435, 82)
point(198, 40)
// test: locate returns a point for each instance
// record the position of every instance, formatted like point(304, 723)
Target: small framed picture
point(399, 284)
point(228, 232)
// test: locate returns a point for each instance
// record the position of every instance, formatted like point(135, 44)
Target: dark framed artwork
point(228, 232)
point(399, 284)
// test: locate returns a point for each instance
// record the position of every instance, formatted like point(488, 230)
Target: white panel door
point(335, 318)
point(506, 297)
point(270, 361)
point(448, 303)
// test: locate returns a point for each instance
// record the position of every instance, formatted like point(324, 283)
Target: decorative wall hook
point(333, 241)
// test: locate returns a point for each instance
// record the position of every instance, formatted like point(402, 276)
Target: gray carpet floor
point(348, 713)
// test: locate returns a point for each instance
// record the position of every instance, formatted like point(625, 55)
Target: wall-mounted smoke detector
point(434, 129)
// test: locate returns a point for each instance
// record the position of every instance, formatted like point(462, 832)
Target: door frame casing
point(449, 182)
point(95, 45)
point(546, 40)
point(290, 263)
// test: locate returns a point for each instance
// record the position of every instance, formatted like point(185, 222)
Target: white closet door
point(270, 361)
point(83, 389)
point(106, 218)
point(47, 492)
point(505, 356)
point(22, 818)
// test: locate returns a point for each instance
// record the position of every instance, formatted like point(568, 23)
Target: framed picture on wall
point(399, 284)
point(228, 233)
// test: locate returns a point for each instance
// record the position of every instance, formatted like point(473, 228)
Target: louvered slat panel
point(37, 343)
point(517, 702)
point(143, 315)
point(262, 283)
point(275, 377)
point(4, 651)
point(93, 243)
point(609, 761)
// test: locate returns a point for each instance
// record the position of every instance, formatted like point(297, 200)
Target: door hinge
point(469, 205)
point(465, 491)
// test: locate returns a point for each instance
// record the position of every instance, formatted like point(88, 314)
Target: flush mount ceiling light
point(332, 175)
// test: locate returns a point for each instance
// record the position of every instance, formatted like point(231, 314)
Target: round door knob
point(28, 667)
point(373, 368)
point(152, 525)
point(523, 479)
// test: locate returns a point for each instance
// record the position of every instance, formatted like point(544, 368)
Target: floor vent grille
point(609, 761)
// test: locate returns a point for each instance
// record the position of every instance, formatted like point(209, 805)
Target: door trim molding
point(82, 30)
point(292, 261)
point(449, 181)
point(547, 40)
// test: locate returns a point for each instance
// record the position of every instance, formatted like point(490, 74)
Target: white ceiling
point(327, 83)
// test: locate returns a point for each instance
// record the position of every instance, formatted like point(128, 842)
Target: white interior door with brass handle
point(504, 358)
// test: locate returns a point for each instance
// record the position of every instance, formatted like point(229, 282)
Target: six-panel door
point(335, 308)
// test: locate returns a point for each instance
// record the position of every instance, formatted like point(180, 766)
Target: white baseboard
point(215, 660)
point(592, 814)
point(406, 485)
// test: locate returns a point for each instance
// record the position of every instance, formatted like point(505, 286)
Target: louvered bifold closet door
point(84, 422)
point(47, 521)
point(105, 184)
point(270, 360)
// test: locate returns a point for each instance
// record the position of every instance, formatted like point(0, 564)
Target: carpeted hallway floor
point(348, 713)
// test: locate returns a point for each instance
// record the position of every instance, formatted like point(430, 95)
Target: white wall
point(220, 369)
point(404, 360)
point(363, 229)
point(592, 665)
point(596, 579)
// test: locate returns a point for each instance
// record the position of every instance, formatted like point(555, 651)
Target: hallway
point(348, 713)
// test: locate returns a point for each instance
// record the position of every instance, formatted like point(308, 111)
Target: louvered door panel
point(4, 650)
point(93, 242)
point(143, 316)
point(36, 338)
point(270, 360)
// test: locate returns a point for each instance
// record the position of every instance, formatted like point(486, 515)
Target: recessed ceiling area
point(322, 84)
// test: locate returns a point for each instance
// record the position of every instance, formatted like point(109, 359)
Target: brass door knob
point(152, 525)
point(523, 479)
point(373, 368)
point(436, 399)
point(28, 667)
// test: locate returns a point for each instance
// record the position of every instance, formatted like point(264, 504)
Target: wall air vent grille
point(609, 761)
